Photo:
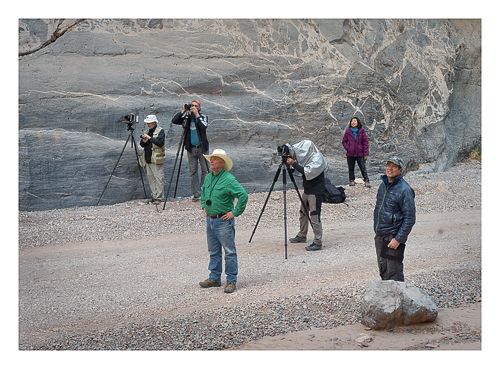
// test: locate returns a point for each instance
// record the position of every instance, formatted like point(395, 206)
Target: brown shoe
point(230, 287)
point(367, 184)
point(351, 183)
point(207, 283)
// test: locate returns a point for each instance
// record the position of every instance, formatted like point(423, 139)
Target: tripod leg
point(181, 144)
point(265, 203)
point(179, 170)
point(284, 212)
point(300, 197)
point(139, 165)
point(124, 146)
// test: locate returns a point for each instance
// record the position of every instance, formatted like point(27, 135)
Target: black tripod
point(134, 145)
point(180, 148)
point(287, 166)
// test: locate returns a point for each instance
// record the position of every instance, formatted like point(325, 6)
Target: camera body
point(131, 118)
point(188, 106)
point(284, 151)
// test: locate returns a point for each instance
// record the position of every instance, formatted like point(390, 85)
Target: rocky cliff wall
point(415, 85)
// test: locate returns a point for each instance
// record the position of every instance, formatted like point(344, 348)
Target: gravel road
point(93, 278)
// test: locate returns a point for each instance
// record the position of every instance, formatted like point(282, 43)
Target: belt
point(217, 216)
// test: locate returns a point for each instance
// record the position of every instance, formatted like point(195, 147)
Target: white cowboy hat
point(151, 119)
point(228, 163)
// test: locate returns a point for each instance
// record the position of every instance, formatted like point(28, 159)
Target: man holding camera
point(313, 178)
point(195, 140)
point(153, 157)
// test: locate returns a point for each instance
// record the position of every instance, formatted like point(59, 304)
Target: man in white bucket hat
point(153, 157)
point(218, 192)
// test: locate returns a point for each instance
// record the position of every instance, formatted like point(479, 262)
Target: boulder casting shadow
point(387, 304)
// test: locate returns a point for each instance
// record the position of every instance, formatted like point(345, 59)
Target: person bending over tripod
point(312, 197)
point(153, 157)
point(195, 141)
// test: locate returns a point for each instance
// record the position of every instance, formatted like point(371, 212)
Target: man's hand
point(194, 110)
point(145, 138)
point(290, 161)
point(394, 244)
point(227, 216)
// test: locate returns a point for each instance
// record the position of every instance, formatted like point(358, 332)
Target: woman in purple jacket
point(357, 149)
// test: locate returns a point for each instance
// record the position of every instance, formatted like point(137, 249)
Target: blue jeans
point(220, 235)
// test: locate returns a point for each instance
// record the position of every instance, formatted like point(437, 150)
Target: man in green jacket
point(218, 192)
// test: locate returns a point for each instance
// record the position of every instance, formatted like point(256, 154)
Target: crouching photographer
point(311, 164)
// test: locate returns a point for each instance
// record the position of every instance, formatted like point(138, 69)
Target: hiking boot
point(313, 247)
point(195, 199)
point(207, 283)
point(230, 287)
point(298, 239)
point(351, 183)
point(367, 184)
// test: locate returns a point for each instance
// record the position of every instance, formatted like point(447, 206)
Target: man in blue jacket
point(393, 219)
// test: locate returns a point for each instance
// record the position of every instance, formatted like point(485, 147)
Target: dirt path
point(78, 287)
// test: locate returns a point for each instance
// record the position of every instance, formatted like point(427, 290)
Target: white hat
point(151, 119)
point(228, 163)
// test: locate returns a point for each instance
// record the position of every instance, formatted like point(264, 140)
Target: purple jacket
point(354, 147)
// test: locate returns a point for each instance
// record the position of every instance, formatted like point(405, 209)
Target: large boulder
point(388, 304)
point(414, 83)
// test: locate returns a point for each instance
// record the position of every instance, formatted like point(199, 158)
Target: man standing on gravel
point(195, 142)
point(393, 219)
point(153, 157)
point(218, 193)
point(311, 164)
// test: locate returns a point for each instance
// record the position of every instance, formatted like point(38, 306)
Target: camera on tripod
point(130, 120)
point(285, 151)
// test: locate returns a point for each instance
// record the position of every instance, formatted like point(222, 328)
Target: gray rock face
point(387, 304)
point(415, 85)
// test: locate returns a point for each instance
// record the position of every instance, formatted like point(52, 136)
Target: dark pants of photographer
point(195, 157)
point(313, 207)
point(388, 269)
point(351, 162)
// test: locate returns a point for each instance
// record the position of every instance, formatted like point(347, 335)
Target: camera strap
point(209, 201)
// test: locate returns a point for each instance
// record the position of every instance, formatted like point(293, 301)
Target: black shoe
point(298, 239)
point(208, 283)
point(313, 247)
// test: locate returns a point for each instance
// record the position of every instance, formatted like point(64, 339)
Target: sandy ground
point(78, 287)
point(454, 329)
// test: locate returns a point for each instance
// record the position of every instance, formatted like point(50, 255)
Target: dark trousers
point(351, 162)
point(388, 269)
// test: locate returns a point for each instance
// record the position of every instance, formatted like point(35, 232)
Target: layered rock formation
point(415, 85)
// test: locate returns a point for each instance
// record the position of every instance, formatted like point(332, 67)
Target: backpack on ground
point(333, 195)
